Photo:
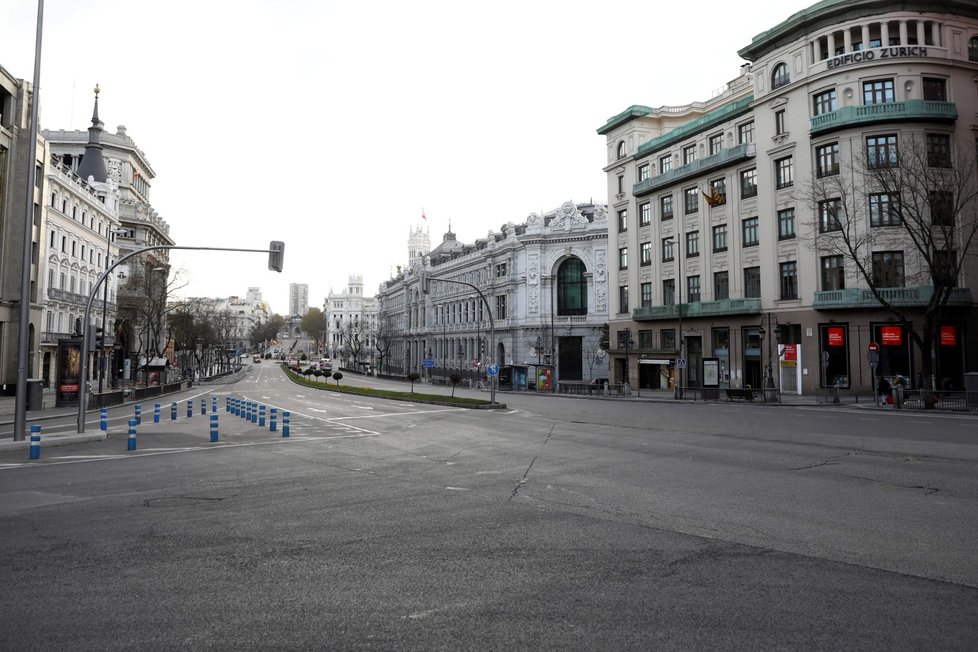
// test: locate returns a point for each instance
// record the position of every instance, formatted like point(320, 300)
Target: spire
point(92, 163)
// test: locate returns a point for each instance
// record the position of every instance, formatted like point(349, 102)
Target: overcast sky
point(332, 125)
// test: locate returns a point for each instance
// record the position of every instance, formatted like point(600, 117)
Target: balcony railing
point(914, 297)
point(908, 111)
point(699, 309)
point(721, 159)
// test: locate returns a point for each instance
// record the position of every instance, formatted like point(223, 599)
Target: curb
point(54, 440)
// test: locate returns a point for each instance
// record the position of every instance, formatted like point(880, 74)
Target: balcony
point(690, 129)
point(699, 309)
point(909, 111)
point(721, 159)
point(917, 297)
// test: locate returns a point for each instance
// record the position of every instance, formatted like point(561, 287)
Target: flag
point(423, 215)
point(714, 198)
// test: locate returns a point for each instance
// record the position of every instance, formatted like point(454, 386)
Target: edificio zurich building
point(546, 283)
point(718, 226)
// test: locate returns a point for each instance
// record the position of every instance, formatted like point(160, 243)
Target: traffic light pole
point(425, 280)
point(275, 252)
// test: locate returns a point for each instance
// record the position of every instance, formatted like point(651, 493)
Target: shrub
point(413, 376)
point(456, 379)
point(337, 376)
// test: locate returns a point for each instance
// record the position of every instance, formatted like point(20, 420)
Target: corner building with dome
point(778, 233)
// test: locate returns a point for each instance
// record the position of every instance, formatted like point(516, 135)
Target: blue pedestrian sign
point(492, 369)
point(427, 363)
point(681, 363)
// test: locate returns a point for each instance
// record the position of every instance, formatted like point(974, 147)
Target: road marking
point(456, 489)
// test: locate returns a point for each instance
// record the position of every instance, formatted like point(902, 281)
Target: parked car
point(256, 358)
point(326, 364)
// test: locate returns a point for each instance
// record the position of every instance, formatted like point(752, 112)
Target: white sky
point(330, 125)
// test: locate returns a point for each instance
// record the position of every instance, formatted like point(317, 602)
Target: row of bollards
point(249, 410)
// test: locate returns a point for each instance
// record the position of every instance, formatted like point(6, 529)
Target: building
point(351, 325)
point(15, 130)
point(544, 282)
point(298, 300)
point(752, 215)
point(140, 337)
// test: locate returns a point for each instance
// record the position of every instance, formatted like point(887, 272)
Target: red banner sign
point(949, 336)
point(791, 352)
point(837, 336)
point(891, 335)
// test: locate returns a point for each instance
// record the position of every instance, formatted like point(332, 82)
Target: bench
point(746, 393)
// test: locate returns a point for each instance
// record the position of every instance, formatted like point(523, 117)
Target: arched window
point(571, 288)
point(780, 76)
point(973, 49)
point(621, 149)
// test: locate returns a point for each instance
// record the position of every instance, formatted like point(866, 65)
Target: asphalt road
point(556, 523)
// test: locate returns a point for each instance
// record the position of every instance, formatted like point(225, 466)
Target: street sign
point(873, 346)
point(427, 363)
point(681, 363)
point(873, 357)
point(492, 369)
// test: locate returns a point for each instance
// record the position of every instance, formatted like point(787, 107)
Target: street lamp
point(105, 300)
point(680, 362)
point(628, 343)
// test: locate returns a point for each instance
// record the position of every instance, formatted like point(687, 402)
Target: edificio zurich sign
point(878, 53)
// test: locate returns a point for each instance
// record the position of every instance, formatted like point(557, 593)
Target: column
point(847, 40)
point(903, 32)
point(935, 33)
point(816, 50)
point(830, 53)
point(921, 33)
point(885, 34)
point(865, 37)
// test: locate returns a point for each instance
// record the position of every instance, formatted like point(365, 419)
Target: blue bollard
point(203, 406)
point(139, 414)
point(35, 452)
point(156, 413)
point(213, 427)
point(254, 412)
point(227, 403)
point(214, 404)
point(104, 419)
point(273, 417)
point(190, 407)
point(173, 411)
point(285, 423)
point(132, 435)
point(261, 416)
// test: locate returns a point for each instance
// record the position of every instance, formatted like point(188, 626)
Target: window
point(789, 280)
point(643, 172)
point(719, 238)
point(571, 288)
point(621, 185)
point(665, 163)
point(780, 76)
point(501, 306)
point(689, 154)
point(945, 267)
point(667, 251)
point(833, 273)
point(501, 270)
point(721, 286)
point(622, 298)
point(750, 232)
point(881, 151)
point(941, 207)
point(824, 102)
point(884, 210)
point(827, 160)
point(786, 224)
point(939, 150)
point(646, 249)
point(665, 207)
point(780, 127)
point(693, 289)
point(716, 144)
point(879, 91)
point(828, 215)
point(935, 90)
point(973, 49)
point(621, 150)
point(691, 199)
point(752, 282)
point(745, 133)
point(888, 269)
point(718, 192)
point(667, 339)
point(669, 292)
point(622, 220)
point(646, 295)
point(785, 172)
point(645, 214)
point(645, 340)
point(623, 258)
point(748, 183)
point(53, 240)
point(692, 244)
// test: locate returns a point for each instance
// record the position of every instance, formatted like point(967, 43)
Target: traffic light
point(276, 255)
point(605, 342)
point(96, 338)
point(482, 347)
point(425, 281)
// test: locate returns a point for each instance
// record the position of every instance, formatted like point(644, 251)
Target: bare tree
point(353, 338)
point(915, 198)
point(384, 336)
point(594, 351)
point(143, 307)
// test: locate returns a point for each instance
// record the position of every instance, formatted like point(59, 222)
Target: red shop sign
point(891, 335)
point(949, 336)
point(790, 352)
point(837, 336)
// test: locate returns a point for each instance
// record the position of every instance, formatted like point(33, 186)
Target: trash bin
point(35, 393)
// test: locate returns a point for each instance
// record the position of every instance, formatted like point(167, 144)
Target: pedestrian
point(899, 383)
point(884, 390)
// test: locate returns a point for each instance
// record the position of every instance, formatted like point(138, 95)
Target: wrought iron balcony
point(721, 159)
point(914, 297)
point(908, 111)
point(697, 309)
